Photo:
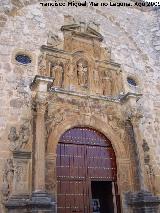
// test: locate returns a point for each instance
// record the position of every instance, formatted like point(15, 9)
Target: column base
point(42, 201)
point(143, 202)
point(17, 204)
point(38, 202)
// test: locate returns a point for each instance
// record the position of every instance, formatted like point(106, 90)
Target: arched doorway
point(86, 173)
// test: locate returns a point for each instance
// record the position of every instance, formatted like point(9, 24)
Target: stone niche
point(82, 65)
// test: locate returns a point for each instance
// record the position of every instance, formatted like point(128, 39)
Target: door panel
point(83, 155)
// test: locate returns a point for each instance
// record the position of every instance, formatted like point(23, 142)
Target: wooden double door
point(86, 173)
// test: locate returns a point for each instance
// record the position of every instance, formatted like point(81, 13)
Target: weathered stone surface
point(16, 103)
point(157, 47)
point(143, 201)
point(132, 40)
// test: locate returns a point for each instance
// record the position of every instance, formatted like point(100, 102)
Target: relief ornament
point(19, 141)
point(8, 174)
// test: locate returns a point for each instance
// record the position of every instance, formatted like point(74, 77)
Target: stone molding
point(39, 79)
point(37, 201)
point(21, 155)
point(143, 201)
point(118, 99)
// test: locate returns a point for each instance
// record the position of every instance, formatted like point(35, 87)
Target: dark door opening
point(102, 197)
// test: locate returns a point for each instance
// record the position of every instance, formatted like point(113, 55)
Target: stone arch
point(93, 122)
point(125, 178)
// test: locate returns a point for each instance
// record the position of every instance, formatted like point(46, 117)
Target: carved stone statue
point(57, 72)
point(107, 83)
point(19, 141)
point(8, 174)
point(82, 73)
point(117, 82)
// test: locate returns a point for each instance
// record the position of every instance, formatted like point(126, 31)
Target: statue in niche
point(117, 82)
point(82, 73)
point(19, 141)
point(107, 83)
point(8, 174)
point(58, 73)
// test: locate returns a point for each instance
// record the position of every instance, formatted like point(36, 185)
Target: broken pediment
point(80, 63)
point(82, 30)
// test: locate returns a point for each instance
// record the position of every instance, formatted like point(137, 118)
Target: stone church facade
point(79, 113)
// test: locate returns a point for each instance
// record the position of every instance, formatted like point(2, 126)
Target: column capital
point(39, 87)
point(41, 83)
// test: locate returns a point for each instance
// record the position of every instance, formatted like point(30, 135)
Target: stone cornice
point(38, 79)
point(117, 99)
point(128, 95)
point(55, 50)
point(111, 62)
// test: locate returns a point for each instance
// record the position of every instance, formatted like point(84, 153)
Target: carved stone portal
point(82, 64)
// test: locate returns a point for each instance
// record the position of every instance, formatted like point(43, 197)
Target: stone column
point(40, 200)
point(143, 200)
point(39, 179)
point(135, 119)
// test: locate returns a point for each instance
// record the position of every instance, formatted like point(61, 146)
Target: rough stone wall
point(132, 35)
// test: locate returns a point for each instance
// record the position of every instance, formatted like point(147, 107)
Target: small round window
point(23, 59)
point(131, 82)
